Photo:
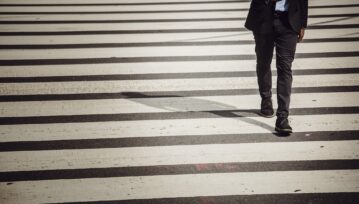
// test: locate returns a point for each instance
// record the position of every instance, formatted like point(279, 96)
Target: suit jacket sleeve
point(304, 15)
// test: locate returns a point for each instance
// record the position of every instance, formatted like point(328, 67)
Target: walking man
point(278, 24)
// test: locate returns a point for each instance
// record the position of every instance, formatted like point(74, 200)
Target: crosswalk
point(156, 101)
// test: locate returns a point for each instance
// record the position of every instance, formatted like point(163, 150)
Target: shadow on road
point(187, 104)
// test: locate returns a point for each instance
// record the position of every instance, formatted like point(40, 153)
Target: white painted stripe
point(331, 2)
point(174, 155)
point(131, 8)
point(149, 37)
point(165, 51)
point(97, 1)
point(169, 67)
point(312, 2)
point(154, 26)
point(174, 127)
point(126, 16)
point(136, 16)
point(148, 187)
point(142, 52)
point(168, 7)
point(120, 26)
point(334, 21)
point(185, 104)
point(163, 37)
point(331, 11)
point(168, 85)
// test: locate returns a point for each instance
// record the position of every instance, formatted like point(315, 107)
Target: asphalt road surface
point(156, 101)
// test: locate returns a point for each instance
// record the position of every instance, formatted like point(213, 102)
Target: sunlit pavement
point(155, 101)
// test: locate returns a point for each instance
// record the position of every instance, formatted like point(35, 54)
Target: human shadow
point(213, 37)
point(190, 104)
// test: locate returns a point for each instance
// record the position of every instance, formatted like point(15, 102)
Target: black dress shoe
point(282, 126)
point(267, 108)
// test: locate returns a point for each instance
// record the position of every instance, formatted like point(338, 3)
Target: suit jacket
point(260, 15)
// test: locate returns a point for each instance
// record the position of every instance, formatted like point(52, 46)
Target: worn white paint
point(210, 50)
point(169, 67)
point(169, 85)
point(182, 104)
point(174, 127)
point(147, 187)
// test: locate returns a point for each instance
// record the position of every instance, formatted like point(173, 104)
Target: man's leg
point(286, 41)
point(264, 52)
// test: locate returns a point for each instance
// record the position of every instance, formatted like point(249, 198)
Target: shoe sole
point(285, 131)
point(266, 116)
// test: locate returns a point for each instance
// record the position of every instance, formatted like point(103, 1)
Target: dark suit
point(280, 32)
point(261, 15)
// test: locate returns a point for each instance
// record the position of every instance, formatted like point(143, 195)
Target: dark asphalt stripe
point(323, 40)
point(176, 140)
point(151, 11)
point(141, 59)
point(293, 198)
point(178, 170)
point(160, 59)
point(335, 6)
point(128, 4)
point(130, 12)
point(162, 94)
point(334, 15)
point(160, 44)
point(158, 20)
point(167, 76)
point(333, 26)
point(237, 113)
point(108, 32)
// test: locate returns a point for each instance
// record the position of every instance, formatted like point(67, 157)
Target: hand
point(301, 35)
